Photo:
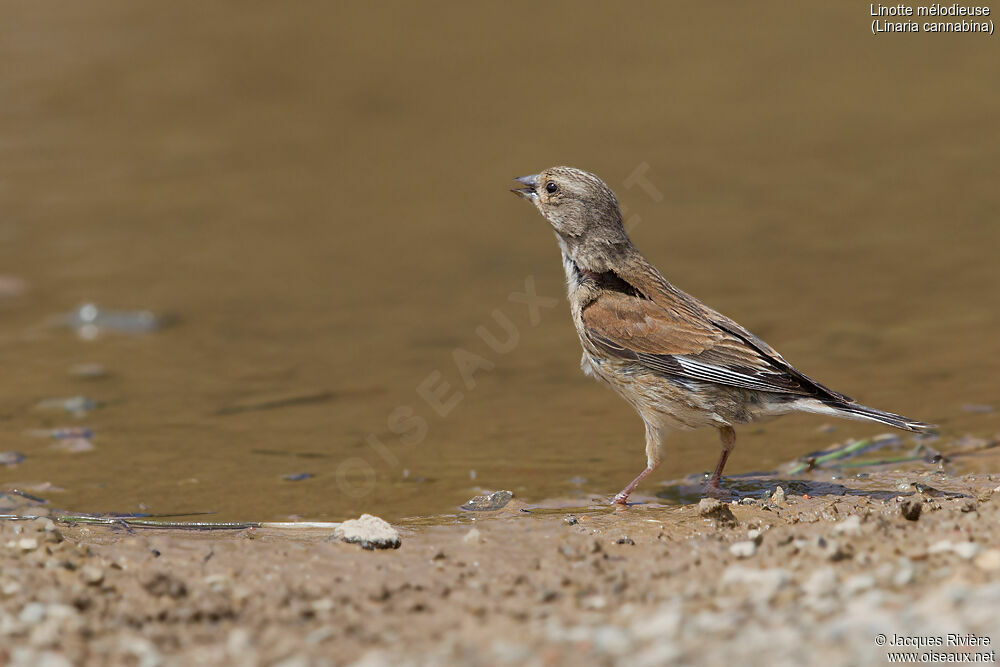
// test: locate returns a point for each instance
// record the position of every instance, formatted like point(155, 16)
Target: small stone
point(988, 560)
point(370, 532)
point(911, 509)
point(27, 544)
point(11, 458)
point(849, 526)
point(764, 584)
point(488, 502)
point(821, 583)
point(904, 573)
point(164, 584)
point(967, 550)
point(743, 549)
point(778, 497)
point(711, 508)
point(472, 537)
point(91, 575)
point(32, 613)
point(940, 547)
point(858, 584)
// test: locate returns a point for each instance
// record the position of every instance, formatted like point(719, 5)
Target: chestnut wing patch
point(667, 342)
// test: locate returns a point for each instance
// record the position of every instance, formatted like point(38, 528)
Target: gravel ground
point(793, 580)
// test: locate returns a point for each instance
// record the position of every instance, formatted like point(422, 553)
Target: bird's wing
point(680, 337)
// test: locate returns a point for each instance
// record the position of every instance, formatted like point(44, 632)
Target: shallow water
point(317, 195)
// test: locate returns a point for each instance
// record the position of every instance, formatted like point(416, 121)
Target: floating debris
point(63, 433)
point(276, 401)
point(970, 443)
point(90, 371)
point(15, 499)
point(73, 445)
point(12, 286)
point(977, 408)
point(297, 477)
point(843, 456)
point(370, 532)
point(10, 458)
point(89, 321)
point(75, 405)
point(301, 455)
point(488, 502)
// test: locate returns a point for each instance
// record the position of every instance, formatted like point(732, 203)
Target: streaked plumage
point(678, 362)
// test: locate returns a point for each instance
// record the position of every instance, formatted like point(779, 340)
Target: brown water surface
point(318, 194)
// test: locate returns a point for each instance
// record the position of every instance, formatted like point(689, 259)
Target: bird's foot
point(620, 499)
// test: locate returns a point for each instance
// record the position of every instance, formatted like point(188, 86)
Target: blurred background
point(312, 201)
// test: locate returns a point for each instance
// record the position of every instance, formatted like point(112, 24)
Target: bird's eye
point(551, 187)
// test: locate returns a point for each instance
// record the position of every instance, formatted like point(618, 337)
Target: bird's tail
point(863, 413)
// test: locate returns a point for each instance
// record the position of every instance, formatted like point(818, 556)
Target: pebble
point(473, 536)
point(370, 532)
point(904, 573)
point(967, 550)
point(988, 560)
point(743, 549)
point(611, 640)
point(849, 526)
point(92, 575)
point(10, 458)
point(488, 502)
point(821, 583)
point(858, 584)
point(32, 613)
point(765, 584)
point(778, 497)
point(712, 508)
point(910, 509)
point(664, 622)
point(27, 544)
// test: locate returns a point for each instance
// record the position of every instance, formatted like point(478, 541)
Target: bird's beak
point(528, 192)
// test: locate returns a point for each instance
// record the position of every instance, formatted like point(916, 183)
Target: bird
point(679, 363)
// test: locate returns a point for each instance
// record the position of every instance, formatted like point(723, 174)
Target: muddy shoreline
point(786, 579)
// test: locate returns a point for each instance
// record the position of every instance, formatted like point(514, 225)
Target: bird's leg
point(622, 497)
point(728, 437)
point(653, 458)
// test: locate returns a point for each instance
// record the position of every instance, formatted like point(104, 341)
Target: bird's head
point(582, 210)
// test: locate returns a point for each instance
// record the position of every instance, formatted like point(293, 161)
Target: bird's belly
point(675, 402)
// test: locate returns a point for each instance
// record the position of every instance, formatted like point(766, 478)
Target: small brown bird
point(679, 363)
